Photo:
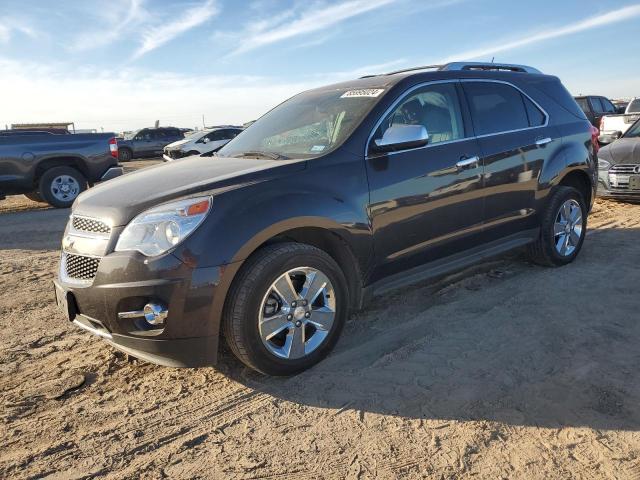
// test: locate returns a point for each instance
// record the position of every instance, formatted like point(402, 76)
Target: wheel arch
point(581, 181)
point(49, 163)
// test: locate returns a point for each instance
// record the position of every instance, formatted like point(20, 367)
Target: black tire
point(46, 186)
point(244, 302)
point(124, 155)
point(35, 196)
point(543, 251)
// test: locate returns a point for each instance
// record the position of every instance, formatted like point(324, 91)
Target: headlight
point(603, 164)
point(161, 228)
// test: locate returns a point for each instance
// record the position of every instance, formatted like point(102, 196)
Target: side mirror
point(205, 140)
point(402, 137)
point(617, 134)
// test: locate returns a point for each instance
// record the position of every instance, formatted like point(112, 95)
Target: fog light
point(155, 314)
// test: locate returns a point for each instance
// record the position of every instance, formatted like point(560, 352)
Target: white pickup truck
point(613, 126)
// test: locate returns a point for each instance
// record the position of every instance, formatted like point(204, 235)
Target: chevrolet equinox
point(335, 195)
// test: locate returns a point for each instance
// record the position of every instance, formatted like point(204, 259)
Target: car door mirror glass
point(402, 137)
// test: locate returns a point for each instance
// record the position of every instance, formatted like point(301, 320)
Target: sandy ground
point(508, 370)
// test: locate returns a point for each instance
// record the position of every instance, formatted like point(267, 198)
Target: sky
point(123, 64)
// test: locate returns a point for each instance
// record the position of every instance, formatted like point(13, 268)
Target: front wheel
point(563, 228)
point(286, 309)
point(124, 155)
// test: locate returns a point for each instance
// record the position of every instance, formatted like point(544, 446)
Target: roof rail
point(465, 66)
point(489, 66)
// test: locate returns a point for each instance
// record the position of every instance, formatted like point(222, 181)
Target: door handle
point(464, 163)
point(543, 141)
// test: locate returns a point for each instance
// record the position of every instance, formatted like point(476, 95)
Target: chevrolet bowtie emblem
point(67, 242)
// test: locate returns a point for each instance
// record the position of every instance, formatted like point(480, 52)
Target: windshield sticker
point(363, 92)
point(318, 148)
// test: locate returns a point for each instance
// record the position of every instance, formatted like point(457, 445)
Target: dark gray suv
point(337, 194)
point(147, 142)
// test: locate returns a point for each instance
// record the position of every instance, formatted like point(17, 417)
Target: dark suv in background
point(337, 194)
point(147, 142)
point(595, 107)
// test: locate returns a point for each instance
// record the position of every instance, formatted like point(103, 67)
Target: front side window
point(597, 105)
point(607, 106)
point(495, 107)
point(305, 126)
point(435, 106)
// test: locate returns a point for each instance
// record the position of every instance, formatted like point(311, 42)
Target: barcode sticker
point(363, 92)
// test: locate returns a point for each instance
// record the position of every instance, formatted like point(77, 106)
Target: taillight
point(594, 138)
point(113, 147)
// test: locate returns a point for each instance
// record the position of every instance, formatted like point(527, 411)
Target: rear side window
point(495, 107)
point(583, 103)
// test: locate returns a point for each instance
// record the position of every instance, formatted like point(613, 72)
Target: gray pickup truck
point(55, 168)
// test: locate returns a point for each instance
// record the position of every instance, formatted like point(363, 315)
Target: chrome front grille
point(80, 267)
point(620, 175)
point(90, 225)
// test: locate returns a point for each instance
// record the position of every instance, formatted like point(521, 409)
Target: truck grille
point(90, 225)
point(80, 267)
point(620, 175)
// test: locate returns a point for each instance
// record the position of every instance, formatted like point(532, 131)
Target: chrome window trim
point(473, 137)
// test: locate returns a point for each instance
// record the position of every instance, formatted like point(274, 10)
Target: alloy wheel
point(567, 229)
point(297, 313)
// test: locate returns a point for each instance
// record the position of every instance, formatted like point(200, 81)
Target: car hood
point(625, 150)
point(178, 143)
point(119, 200)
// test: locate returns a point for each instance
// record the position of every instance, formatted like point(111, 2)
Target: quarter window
point(496, 107)
point(536, 117)
point(435, 106)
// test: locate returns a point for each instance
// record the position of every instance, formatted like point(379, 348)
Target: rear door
point(424, 202)
point(514, 139)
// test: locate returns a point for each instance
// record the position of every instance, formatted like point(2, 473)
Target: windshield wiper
point(271, 155)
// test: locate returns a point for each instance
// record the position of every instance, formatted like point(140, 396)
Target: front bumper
point(171, 155)
point(126, 282)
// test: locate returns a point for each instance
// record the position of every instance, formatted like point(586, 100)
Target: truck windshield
point(305, 126)
point(634, 106)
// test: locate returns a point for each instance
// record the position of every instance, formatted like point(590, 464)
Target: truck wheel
point(286, 309)
point(60, 186)
point(35, 196)
point(124, 155)
point(562, 230)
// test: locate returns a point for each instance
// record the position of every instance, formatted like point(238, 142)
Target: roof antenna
point(492, 59)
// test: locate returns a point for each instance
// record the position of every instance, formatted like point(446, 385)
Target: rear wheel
point(60, 186)
point(124, 155)
point(286, 309)
point(35, 196)
point(563, 228)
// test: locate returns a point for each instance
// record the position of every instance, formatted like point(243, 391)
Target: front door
point(425, 202)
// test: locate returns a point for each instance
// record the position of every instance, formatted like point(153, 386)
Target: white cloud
point(190, 18)
point(120, 18)
point(293, 23)
point(615, 16)
point(9, 26)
